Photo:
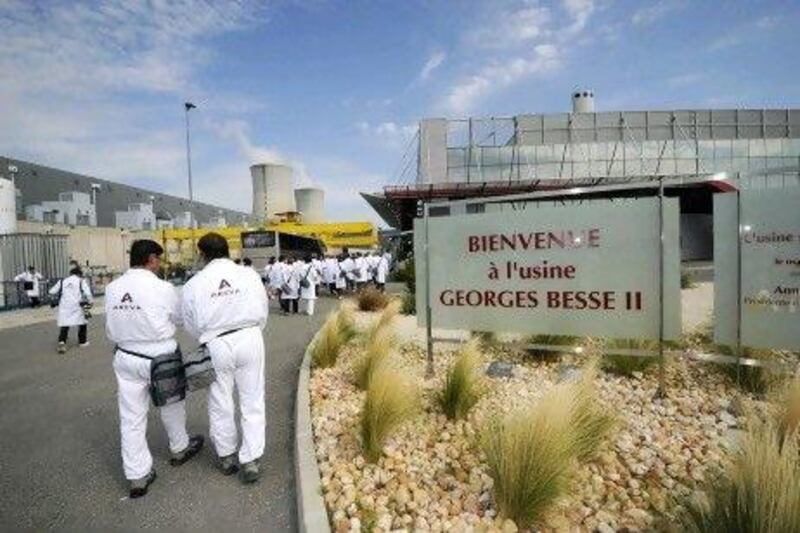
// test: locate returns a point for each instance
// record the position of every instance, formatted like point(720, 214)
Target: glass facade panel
point(723, 149)
point(757, 148)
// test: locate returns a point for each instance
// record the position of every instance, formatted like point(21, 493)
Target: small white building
point(216, 222)
point(72, 208)
point(182, 220)
point(139, 216)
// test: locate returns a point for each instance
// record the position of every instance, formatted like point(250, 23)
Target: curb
point(311, 513)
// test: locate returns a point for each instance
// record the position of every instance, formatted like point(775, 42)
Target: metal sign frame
point(655, 185)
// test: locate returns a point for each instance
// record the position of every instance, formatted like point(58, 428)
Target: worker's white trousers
point(238, 359)
point(308, 305)
point(133, 394)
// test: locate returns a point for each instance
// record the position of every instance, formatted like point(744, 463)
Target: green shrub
point(409, 303)
point(407, 275)
point(686, 281)
point(486, 338)
point(462, 385)
point(371, 299)
point(531, 453)
point(569, 342)
point(759, 492)
point(626, 365)
point(752, 379)
point(391, 399)
point(329, 341)
point(376, 352)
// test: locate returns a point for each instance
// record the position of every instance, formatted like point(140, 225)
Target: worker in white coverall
point(72, 295)
point(225, 307)
point(141, 315)
point(30, 284)
point(381, 272)
point(308, 294)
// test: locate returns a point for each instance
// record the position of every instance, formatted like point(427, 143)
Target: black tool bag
point(27, 285)
point(167, 379)
point(199, 369)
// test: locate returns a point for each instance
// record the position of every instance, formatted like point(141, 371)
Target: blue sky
point(336, 88)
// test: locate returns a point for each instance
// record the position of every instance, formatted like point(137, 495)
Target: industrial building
point(474, 158)
point(57, 196)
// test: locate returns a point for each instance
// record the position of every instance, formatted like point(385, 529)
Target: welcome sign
point(578, 269)
point(770, 262)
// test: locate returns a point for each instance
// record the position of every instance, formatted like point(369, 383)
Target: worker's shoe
point(192, 449)
point(85, 344)
point(229, 464)
point(139, 486)
point(250, 472)
point(62, 347)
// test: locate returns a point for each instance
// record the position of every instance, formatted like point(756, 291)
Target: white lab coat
point(73, 289)
point(141, 315)
point(310, 292)
point(330, 270)
point(347, 266)
point(221, 297)
point(27, 277)
point(382, 270)
point(361, 269)
point(276, 276)
point(291, 281)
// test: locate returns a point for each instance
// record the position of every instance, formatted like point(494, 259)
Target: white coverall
point(141, 314)
point(308, 295)
point(73, 289)
point(381, 270)
point(221, 298)
point(27, 277)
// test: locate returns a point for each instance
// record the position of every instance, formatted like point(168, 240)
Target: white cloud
point(389, 135)
point(434, 61)
point(505, 28)
point(684, 80)
point(651, 13)
point(96, 87)
point(525, 40)
point(495, 76)
point(580, 11)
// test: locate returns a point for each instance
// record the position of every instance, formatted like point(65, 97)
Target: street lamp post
point(188, 106)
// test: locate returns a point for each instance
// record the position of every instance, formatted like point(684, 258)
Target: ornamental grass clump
point(329, 342)
point(462, 384)
point(788, 410)
point(346, 322)
point(756, 380)
point(529, 457)
point(371, 299)
point(375, 355)
point(623, 364)
point(532, 453)
point(759, 492)
point(391, 399)
point(590, 422)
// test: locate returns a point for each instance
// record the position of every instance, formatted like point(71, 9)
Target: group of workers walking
point(294, 281)
point(224, 307)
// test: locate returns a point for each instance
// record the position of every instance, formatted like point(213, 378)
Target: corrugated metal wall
point(48, 253)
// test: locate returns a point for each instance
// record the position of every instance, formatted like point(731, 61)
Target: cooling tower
point(273, 187)
point(8, 207)
point(311, 203)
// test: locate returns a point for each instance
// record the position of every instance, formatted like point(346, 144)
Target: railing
point(14, 296)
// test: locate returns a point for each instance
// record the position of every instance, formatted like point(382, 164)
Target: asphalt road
point(60, 465)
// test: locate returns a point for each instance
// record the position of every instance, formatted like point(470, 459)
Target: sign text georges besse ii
point(577, 269)
point(539, 271)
